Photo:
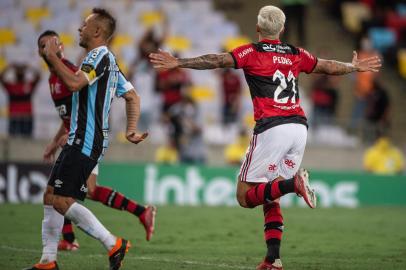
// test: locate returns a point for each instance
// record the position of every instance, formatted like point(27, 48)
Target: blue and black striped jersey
point(91, 105)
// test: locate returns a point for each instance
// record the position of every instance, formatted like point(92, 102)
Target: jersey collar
point(271, 41)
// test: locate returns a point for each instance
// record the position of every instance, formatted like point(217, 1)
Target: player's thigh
point(48, 197)
point(263, 155)
point(73, 173)
point(290, 163)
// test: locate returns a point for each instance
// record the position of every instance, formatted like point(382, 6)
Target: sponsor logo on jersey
point(245, 52)
point(61, 110)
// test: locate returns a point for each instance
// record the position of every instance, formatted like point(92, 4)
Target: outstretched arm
point(333, 67)
point(165, 60)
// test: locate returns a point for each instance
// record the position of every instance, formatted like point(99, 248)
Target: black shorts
point(70, 173)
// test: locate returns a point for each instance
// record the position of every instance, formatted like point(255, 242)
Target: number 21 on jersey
point(283, 86)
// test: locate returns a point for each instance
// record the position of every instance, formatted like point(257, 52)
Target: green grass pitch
point(220, 238)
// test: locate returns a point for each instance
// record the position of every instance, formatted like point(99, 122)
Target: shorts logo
point(290, 163)
point(272, 168)
point(83, 189)
point(58, 183)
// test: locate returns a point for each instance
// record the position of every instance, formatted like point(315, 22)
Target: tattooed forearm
point(208, 61)
point(333, 67)
point(132, 110)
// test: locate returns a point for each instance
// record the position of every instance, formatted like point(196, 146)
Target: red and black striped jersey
point(272, 69)
point(61, 95)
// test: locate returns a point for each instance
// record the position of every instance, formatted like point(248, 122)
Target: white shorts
point(95, 170)
point(278, 151)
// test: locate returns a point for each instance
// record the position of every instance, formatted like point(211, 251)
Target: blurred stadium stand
point(197, 27)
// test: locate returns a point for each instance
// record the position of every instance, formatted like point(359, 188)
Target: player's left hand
point(367, 64)
point(135, 137)
point(163, 60)
point(51, 47)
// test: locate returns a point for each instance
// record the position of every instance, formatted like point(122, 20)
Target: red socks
point(67, 231)
point(273, 230)
point(116, 200)
point(268, 192)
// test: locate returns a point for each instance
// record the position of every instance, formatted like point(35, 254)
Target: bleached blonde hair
point(271, 20)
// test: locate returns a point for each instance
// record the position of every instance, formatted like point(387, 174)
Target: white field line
point(141, 258)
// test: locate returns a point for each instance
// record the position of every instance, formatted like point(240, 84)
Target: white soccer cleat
point(303, 189)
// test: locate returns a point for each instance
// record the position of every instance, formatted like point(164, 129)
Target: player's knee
point(61, 204)
point(241, 199)
point(48, 195)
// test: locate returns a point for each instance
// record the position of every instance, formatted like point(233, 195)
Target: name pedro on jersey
point(281, 60)
point(276, 59)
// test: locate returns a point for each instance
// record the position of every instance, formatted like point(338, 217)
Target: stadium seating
point(23, 21)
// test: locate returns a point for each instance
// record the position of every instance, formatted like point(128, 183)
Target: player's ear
point(257, 29)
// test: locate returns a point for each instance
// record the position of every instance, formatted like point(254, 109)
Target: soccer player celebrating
point(271, 166)
point(62, 98)
point(94, 87)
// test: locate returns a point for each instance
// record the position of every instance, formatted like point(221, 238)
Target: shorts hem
point(256, 180)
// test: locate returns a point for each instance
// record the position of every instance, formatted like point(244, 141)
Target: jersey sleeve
point(307, 61)
point(70, 65)
point(123, 86)
point(95, 64)
point(241, 55)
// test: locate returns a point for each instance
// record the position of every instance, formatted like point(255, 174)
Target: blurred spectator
point(151, 41)
point(384, 158)
point(231, 86)
point(364, 83)
point(171, 85)
point(144, 76)
point(186, 131)
point(234, 153)
point(295, 11)
point(20, 81)
point(377, 112)
point(325, 98)
point(167, 154)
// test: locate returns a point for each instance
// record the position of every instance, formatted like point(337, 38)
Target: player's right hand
point(135, 137)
